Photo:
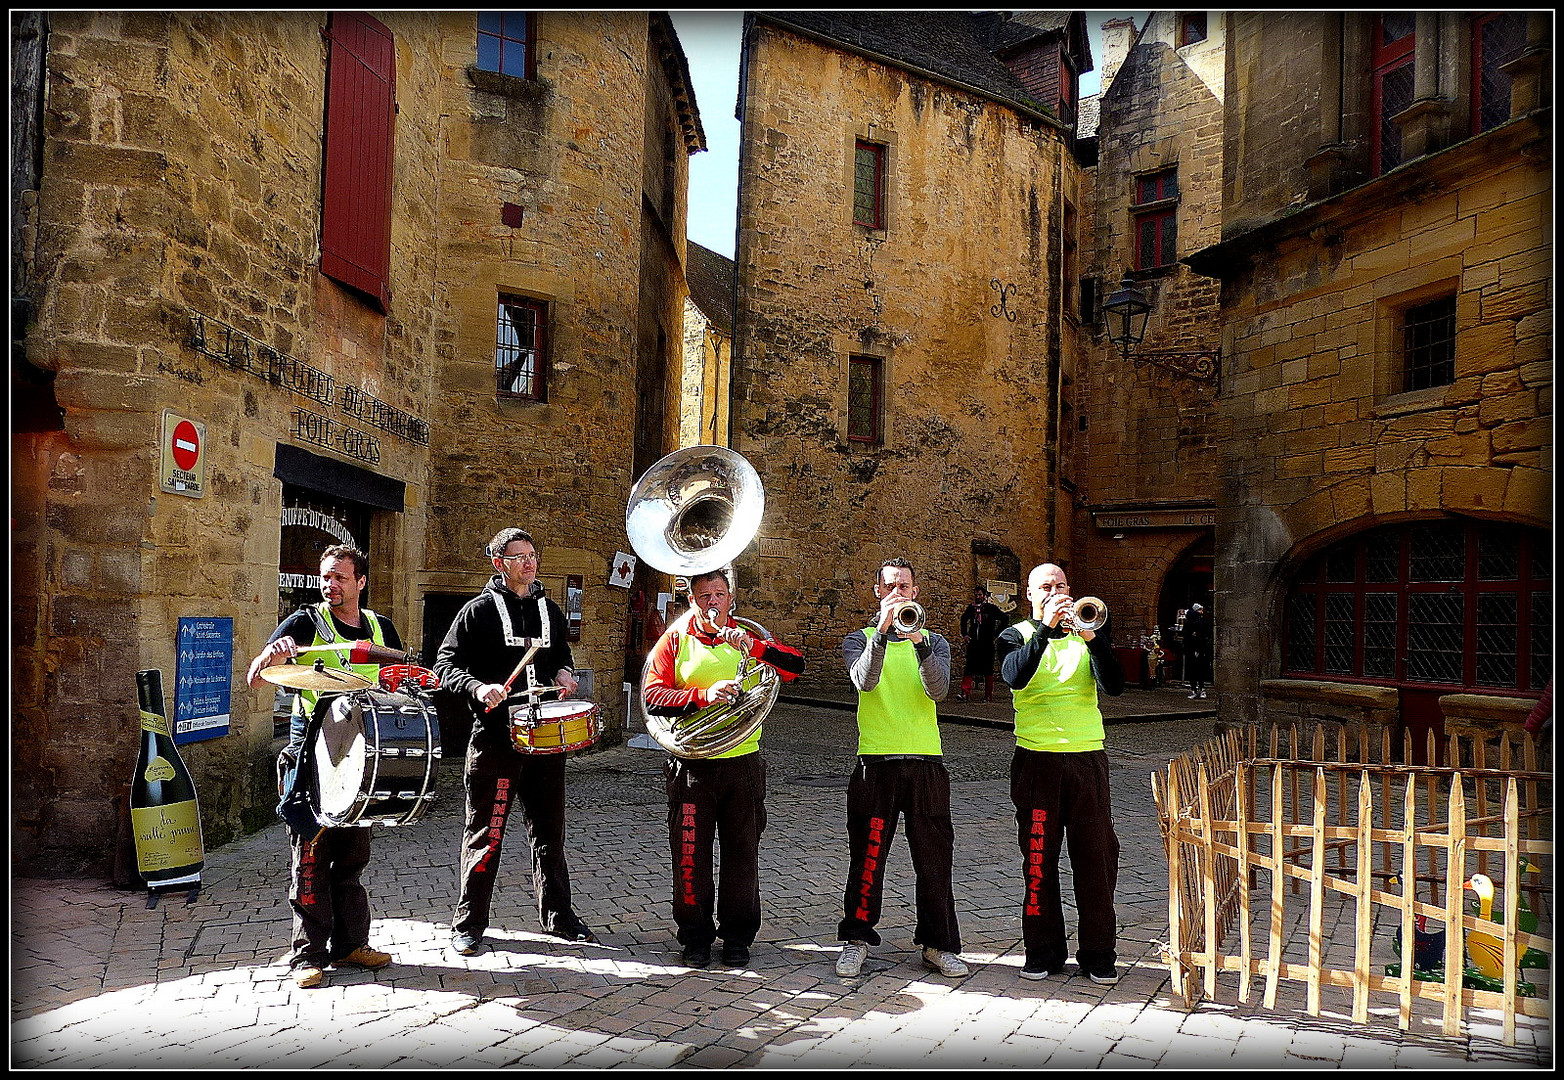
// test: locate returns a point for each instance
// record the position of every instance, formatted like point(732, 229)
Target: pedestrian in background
point(981, 623)
point(1197, 650)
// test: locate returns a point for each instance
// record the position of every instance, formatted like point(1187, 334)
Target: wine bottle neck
point(154, 722)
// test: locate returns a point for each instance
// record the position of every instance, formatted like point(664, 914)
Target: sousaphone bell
point(691, 513)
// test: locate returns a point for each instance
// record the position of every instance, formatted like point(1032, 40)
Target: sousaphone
point(691, 513)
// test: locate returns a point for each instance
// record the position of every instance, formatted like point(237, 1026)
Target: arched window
point(1447, 603)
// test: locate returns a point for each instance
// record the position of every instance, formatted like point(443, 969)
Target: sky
point(711, 44)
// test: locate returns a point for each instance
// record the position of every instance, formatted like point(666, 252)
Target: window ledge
point(1155, 204)
point(1412, 401)
point(510, 86)
point(1362, 695)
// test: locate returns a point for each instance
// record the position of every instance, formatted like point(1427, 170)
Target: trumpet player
point(1059, 777)
point(721, 798)
point(900, 671)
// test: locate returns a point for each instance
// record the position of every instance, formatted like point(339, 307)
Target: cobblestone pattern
point(98, 980)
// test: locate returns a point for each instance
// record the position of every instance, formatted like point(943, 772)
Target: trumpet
point(1086, 614)
point(908, 618)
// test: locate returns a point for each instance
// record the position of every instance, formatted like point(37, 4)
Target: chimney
point(1117, 37)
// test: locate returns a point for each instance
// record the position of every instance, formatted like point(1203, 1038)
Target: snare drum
point(552, 727)
point(376, 758)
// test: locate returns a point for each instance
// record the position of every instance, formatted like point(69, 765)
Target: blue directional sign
point(203, 686)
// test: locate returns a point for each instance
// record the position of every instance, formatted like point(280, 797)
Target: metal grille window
point(1428, 344)
point(505, 42)
point(1438, 555)
point(1497, 39)
point(1434, 625)
point(864, 399)
point(1395, 40)
point(1379, 635)
point(1454, 604)
point(1541, 652)
point(1156, 219)
point(869, 185)
point(520, 350)
point(1302, 616)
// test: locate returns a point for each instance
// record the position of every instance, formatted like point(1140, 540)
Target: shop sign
point(1183, 518)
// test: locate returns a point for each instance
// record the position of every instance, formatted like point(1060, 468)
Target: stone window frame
point(1160, 209)
point(1338, 599)
point(499, 26)
point(1187, 30)
point(1070, 261)
point(542, 349)
point(1483, 64)
point(876, 366)
point(886, 140)
point(1387, 60)
point(1390, 388)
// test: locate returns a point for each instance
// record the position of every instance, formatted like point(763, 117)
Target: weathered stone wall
point(1150, 435)
point(181, 175)
point(571, 150)
point(1322, 442)
point(703, 391)
point(958, 295)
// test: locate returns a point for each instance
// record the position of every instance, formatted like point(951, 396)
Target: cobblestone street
point(100, 981)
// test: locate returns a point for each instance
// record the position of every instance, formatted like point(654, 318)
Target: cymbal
point(305, 677)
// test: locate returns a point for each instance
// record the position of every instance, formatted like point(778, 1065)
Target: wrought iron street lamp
point(1127, 311)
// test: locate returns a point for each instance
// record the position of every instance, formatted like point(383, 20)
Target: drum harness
point(509, 633)
point(294, 806)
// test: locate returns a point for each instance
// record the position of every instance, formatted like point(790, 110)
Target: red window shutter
point(355, 226)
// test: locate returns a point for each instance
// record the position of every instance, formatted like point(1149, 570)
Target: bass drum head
point(340, 750)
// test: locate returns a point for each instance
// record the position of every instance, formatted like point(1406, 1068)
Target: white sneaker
point(1202, 694)
point(1193, 694)
point(946, 963)
point(850, 962)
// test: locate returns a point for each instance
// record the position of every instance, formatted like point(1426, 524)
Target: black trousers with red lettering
point(721, 800)
point(494, 777)
point(919, 792)
point(1063, 799)
point(330, 906)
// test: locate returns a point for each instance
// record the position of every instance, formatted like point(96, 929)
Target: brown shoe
point(308, 976)
point(365, 957)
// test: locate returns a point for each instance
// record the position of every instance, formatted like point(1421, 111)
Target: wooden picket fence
point(1373, 844)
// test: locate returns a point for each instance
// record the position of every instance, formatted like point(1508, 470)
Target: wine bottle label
point(166, 836)
point(159, 769)
point(151, 721)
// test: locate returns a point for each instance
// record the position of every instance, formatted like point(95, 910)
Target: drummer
point(480, 661)
point(330, 905)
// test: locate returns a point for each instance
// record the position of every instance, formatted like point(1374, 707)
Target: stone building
point(1384, 521)
point(1146, 475)
point(902, 372)
point(708, 349)
point(289, 278)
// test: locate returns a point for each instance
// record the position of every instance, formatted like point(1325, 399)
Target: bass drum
point(375, 760)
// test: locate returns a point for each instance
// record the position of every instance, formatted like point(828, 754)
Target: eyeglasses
point(518, 558)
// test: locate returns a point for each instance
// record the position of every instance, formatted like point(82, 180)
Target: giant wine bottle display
point(163, 811)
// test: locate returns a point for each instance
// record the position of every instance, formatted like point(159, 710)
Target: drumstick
point(362, 652)
point(525, 660)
